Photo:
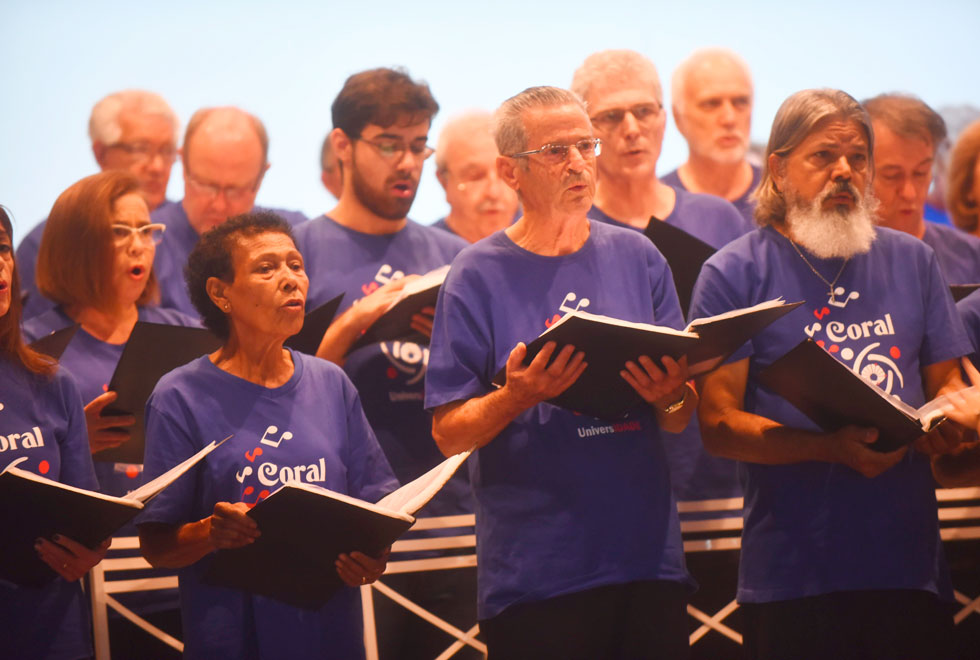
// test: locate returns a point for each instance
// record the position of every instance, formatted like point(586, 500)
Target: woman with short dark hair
point(289, 415)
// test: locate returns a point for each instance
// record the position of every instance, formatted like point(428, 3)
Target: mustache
point(839, 187)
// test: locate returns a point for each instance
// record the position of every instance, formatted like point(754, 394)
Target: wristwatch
point(676, 405)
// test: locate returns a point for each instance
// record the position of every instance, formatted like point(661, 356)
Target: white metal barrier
point(708, 535)
point(103, 588)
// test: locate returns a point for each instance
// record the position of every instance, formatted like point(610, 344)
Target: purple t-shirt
point(92, 362)
point(969, 309)
point(42, 429)
point(694, 473)
point(311, 428)
point(443, 225)
point(709, 218)
point(390, 375)
point(958, 253)
point(744, 204)
point(564, 502)
point(178, 241)
point(812, 527)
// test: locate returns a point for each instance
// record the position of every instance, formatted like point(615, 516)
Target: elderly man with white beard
point(841, 555)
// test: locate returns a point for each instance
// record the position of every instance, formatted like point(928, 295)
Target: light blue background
point(286, 61)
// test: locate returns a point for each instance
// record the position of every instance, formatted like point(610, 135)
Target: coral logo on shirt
point(875, 360)
point(259, 466)
point(408, 359)
point(566, 307)
point(29, 439)
point(386, 273)
point(26, 439)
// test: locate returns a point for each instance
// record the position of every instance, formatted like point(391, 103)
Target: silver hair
point(678, 80)
point(508, 121)
point(466, 123)
point(103, 123)
point(798, 117)
point(616, 65)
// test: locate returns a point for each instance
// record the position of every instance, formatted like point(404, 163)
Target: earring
point(227, 307)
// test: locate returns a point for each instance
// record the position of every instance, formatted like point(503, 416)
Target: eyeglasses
point(212, 190)
point(558, 153)
point(394, 150)
point(611, 118)
point(146, 152)
point(123, 234)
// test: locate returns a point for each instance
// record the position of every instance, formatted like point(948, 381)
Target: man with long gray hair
point(579, 547)
point(841, 555)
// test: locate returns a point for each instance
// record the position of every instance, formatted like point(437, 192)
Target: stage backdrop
point(285, 62)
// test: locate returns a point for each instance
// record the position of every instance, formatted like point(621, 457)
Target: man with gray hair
point(579, 547)
point(622, 91)
point(711, 98)
point(132, 130)
point(225, 157)
point(841, 555)
point(907, 134)
point(466, 166)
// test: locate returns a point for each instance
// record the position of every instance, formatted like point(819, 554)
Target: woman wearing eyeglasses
point(43, 427)
point(96, 263)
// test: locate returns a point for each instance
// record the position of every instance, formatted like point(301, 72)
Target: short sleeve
point(369, 476)
point(712, 295)
point(945, 335)
point(167, 444)
point(76, 456)
point(459, 350)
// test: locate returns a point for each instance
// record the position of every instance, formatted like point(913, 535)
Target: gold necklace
point(830, 285)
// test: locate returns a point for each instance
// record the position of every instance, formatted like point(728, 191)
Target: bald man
point(480, 203)
point(225, 156)
point(711, 98)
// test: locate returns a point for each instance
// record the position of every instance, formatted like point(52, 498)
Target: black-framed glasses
point(152, 233)
point(558, 153)
point(611, 118)
point(394, 150)
point(146, 152)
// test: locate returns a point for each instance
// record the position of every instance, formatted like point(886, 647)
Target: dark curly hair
point(382, 97)
point(211, 257)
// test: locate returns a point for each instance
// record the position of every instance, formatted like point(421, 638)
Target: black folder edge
point(685, 254)
point(961, 291)
point(315, 324)
point(630, 399)
point(54, 344)
point(388, 326)
point(131, 368)
point(134, 382)
point(90, 531)
point(786, 370)
point(298, 585)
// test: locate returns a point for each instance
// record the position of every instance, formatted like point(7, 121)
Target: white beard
point(837, 232)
